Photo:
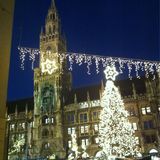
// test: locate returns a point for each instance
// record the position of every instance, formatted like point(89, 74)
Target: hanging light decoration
point(30, 52)
point(134, 66)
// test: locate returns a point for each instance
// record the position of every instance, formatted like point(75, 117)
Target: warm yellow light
point(48, 66)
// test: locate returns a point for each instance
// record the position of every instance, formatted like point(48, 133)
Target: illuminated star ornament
point(110, 73)
point(49, 66)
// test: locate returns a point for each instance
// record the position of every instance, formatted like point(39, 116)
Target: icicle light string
point(32, 52)
point(134, 66)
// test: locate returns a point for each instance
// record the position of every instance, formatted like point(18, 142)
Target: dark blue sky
point(123, 28)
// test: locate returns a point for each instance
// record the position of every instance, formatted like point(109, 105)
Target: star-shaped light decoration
point(49, 66)
point(110, 73)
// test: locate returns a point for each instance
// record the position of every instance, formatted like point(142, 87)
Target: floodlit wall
point(6, 19)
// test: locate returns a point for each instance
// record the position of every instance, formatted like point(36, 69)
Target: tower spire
point(53, 4)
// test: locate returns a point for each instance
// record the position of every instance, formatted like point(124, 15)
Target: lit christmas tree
point(16, 147)
point(116, 136)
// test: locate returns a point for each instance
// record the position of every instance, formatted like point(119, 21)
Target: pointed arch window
point(45, 120)
point(52, 16)
point(45, 145)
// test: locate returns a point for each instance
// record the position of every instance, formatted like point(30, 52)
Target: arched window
point(45, 133)
point(46, 145)
point(53, 16)
point(45, 120)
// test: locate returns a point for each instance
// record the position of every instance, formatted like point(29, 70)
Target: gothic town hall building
point(46, 121)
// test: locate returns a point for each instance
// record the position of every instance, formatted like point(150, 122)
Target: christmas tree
point(16, 147)
point(116, 136)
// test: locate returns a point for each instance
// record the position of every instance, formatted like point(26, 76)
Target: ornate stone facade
point(49, 90)
point(46, 123)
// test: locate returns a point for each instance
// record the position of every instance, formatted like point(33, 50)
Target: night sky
point(121, 28)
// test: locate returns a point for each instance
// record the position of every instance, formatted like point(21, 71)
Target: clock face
point(49, 66)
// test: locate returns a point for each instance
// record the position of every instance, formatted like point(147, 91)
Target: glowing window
point(12, 126)
point(97, 140)
point(134, 125)
point(69, 144)
point(85, 142)
point(84, 129)
point(31, 124)
point(23, 125)
point(137, 140)
point(52, 120)
point(46, 120)
point(71, 130)
point(47, 145)
point(148, 109)
point(143, 111)
point(96, 127)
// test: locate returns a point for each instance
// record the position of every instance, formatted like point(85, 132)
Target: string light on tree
point(116, 135)
point(16, 147)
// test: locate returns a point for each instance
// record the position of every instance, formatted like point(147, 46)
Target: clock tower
point(51, 82)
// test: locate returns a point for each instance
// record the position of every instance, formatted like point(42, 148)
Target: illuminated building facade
point(47, 120)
